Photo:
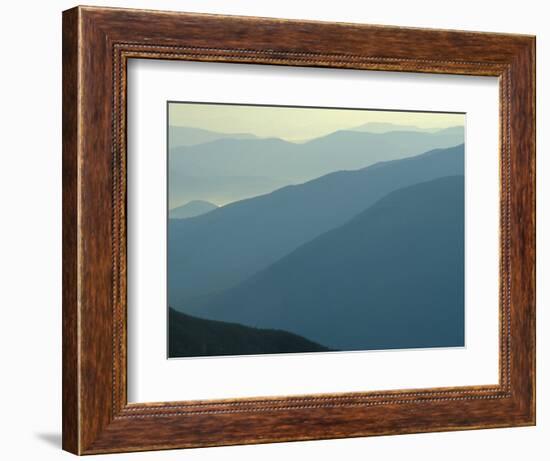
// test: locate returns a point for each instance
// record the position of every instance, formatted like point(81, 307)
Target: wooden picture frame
point(97, 44)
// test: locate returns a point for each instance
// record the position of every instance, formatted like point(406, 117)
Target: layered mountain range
point(235, 167)
point(392, 277)
point(366, 257)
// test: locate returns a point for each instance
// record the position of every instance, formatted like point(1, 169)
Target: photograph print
point(313, 230)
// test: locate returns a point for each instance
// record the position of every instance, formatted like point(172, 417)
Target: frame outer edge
point(533, 51)
point(523, 232)
point(533, 181)
point(70, 178)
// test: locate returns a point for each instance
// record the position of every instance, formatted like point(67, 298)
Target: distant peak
point(385, 127)
point(185, 136)
point(192, 209)
point(199, 202)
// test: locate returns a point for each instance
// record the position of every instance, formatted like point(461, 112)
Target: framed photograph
point(281, 230)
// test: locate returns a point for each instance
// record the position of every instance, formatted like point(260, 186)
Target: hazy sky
point(295, 124)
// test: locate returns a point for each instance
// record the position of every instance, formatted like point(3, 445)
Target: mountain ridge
point(190, 336)
point(278, 162)
point(190, 136)
point(191, 209)
point(223, 246)
point(391, 277)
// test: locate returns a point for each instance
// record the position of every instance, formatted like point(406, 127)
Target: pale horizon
point(297, 124)
point(234, 173)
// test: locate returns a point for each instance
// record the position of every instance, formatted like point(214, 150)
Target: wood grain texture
point(97, 43)
point(70, 384)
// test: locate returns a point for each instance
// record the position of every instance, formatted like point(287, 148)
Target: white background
point(153, 378)
point(30, 244)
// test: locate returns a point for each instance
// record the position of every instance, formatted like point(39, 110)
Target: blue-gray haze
point(370, 256)
point(230, 169)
